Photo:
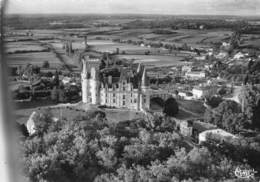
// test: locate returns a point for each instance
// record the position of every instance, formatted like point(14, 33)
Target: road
point(236, 92)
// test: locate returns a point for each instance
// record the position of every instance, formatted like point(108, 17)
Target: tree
point(131, 151)
point(43, 121)
point(227, 115)
point(46, 64)
point(171, 107)
point(214, 101)
point(250, 99)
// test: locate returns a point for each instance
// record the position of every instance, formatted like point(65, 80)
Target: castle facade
point(127, 89)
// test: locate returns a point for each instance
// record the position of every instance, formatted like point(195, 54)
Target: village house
point(216, 134)
point(195, 75)
point(192, 128)
point(239, 56)
point(222, 55)
point(199, 92)
point(186, 68)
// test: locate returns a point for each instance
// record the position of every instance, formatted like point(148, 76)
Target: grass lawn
point(196, 107)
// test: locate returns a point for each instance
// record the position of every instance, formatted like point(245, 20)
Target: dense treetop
point(90, 149)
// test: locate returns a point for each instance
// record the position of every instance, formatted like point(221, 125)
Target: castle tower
point(84, 81)
point(90, 80)
point(95, 82)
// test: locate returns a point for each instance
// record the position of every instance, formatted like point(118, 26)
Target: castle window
point(123, 96)
point(114, 100)
point(114, 94)
point(134, 100)
point(123, 103)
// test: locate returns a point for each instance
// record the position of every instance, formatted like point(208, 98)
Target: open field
point(32, 58)
point(155, 60)
point(13, 47)
point(24, 110)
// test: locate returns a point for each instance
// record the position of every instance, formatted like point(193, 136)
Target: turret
point(144, 101)
point(144, 81)
point(139, 68)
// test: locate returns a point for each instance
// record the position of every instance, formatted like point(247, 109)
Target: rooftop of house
point(202, 126)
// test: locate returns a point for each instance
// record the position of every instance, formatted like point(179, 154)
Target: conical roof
point(145, 81)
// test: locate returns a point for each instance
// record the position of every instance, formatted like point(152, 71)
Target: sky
point(175, 7)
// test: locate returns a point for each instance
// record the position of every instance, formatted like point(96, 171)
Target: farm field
point(33, 58)
point(21, 46)
point(155, 60)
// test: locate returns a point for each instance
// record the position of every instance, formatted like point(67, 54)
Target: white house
point(218, 134)
point(222, 55)
point(200, 58)
point(198, 92)
point(30, 124)
point(186, 96)
point(238, 56)
point(186, 68)
point(195, 75)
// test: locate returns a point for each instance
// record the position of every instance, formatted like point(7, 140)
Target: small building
point(66, 80)
point(195, 75)
point(186, 68)
point(226, 45)
point(186, 95)
point(192, 127)
point(222, 55)
point(30, 124)
point(201, 27)
point(216, 134)
point(239, 56)
point(186, 128)
point(200, 58)
point(199, 92)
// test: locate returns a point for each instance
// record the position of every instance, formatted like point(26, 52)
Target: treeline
point(234, 117)
point(186, 24)
point(90, 149)
point(24, 22)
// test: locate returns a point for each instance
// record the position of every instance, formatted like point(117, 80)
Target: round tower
point(95, 84)
point(84, 81)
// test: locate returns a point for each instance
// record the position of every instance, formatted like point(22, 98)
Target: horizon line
point(143, 14)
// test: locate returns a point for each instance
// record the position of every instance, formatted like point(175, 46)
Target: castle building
point(129, 88)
